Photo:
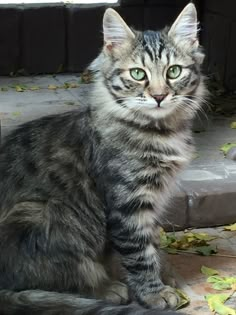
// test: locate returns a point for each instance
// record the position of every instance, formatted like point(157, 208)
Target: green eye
point(138, 74)
point(174, 72)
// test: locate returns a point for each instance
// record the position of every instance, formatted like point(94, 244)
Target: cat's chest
point(163, 154)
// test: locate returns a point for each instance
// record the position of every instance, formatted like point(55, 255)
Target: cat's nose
point(159, 98)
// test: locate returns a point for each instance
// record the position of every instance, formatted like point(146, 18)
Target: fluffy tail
point(49, 303)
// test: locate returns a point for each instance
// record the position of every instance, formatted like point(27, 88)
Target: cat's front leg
point(131, 234)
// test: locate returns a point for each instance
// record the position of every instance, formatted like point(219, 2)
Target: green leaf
point(206, 250)
point(209, 271)
point(227, 146)
point(216, 304)
point(222, 283)
point(171, 250)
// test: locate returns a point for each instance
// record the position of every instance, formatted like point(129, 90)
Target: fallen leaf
point(171, 250)
point(34, 88)
point(216, 304)
point(52, 87)
point(231, 227)
point(206, 250)
point(70, 103)
point(3, 89)
point(184, 299)
point(222, 283)
point(233, 125)
point(20, 88)
point(86, 77)
point(227, 146)
point(60, 68)
point(189, 242)
point(16, 113)
point(209, 271)
point(69, 85)
point(203, 236)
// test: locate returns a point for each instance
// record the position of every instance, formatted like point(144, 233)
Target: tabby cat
point(83, 192)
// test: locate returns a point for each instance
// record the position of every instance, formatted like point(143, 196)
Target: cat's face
point(153, 72)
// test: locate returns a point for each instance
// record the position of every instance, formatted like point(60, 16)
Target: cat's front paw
point(165, 298)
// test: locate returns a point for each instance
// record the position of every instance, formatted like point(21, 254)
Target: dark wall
point(219, 40)
point(55, 38)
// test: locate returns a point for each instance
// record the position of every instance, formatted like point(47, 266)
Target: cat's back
point(28, 154)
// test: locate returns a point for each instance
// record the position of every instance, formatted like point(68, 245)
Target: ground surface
point(187, 270)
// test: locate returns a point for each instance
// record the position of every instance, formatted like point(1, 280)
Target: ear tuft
point(185, 28)
point(115, 29)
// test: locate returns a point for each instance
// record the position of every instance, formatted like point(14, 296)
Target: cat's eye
point(138, 74)
point(174, 72)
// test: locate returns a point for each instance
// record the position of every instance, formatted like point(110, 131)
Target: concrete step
point(207, 188)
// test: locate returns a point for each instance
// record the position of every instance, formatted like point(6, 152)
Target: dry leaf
point(3, 89)
point(69, 85)
point(34, 88)
point(20, 88)
point(227, 146)
point(231, 227)
point(184, 299)
point(189, 242)
point(209, 271)
point(206, 250)
point(16, 113)
point(52, 87)
point(222, 283)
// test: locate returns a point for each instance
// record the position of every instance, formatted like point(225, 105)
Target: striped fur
point(82, 193)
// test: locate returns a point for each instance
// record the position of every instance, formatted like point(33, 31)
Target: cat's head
point(156, 73)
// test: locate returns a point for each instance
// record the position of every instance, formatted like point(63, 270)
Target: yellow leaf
point(233, 287)
point(184, 299)
point(216, 304)
point(231, 227)
point(233, 125)
point(52, 87)
point(34, 88)
point(209, 271)
point(19, 88)
point(227, 146)
point(16, 113)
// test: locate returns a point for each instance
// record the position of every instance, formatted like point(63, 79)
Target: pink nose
point(159, 98)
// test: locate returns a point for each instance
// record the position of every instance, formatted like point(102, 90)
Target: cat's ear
point(185, 28)
point(116, 31)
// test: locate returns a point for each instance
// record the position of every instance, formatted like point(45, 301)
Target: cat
point(83, 192)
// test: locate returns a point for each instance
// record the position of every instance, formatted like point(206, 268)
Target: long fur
point(82, 193)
